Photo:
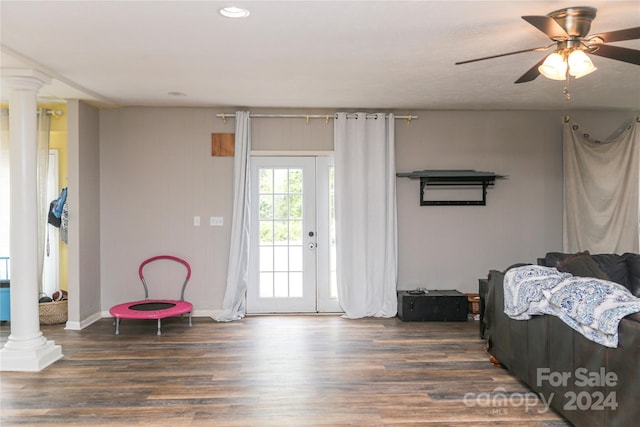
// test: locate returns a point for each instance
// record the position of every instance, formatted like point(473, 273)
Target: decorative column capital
point(25, 79)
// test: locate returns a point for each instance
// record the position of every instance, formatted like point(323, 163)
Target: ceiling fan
point(568, 28)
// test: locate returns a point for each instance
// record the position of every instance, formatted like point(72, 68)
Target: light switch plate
point(196, 221)
point(216, 221)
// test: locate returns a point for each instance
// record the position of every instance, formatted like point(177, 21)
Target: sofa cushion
point(582, 265)
point(552, 259)
point(633, 269)
point(615, 266)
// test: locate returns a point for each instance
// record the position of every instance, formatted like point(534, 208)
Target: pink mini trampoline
point(154, 308)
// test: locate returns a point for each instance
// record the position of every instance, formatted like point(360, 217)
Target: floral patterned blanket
point(593, 307)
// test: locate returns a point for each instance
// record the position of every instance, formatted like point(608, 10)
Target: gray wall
point(450, 247)
point(157, 173)
point(84, 214)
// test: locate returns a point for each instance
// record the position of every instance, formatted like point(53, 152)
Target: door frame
point(318, 223)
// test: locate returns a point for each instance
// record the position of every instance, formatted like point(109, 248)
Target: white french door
point(292, 243)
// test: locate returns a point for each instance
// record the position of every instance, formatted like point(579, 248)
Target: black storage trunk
point(446, 306)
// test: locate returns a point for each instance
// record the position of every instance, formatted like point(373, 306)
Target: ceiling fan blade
point(548, 26)
point(532, 74)
point(535, 49)
point(619, 35)
point(623, 54)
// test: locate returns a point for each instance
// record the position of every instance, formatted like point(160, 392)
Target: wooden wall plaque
point(222, 144)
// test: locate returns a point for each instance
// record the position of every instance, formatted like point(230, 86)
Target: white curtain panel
point(42, 152)
point(233, 305)
point(366, 218)
point(4, 183)
point(601, 191)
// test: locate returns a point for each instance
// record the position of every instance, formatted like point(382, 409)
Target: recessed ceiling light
point(175, 93)
point(234, 12)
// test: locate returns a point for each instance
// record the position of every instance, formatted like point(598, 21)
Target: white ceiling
point(327, 54)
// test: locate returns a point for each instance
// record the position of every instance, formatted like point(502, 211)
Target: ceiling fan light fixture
point(580, 64)
point(234, 12)
point(554, 67)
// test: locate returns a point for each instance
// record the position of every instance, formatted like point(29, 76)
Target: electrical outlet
point(216, 221)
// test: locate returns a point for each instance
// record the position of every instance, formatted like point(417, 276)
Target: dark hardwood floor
point(270, 371)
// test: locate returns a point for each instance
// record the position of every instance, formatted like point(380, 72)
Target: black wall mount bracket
point(453, 178)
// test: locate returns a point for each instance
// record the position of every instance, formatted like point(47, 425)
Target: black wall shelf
point(453, 178)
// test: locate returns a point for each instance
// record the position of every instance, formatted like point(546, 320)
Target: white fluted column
point(26, 348)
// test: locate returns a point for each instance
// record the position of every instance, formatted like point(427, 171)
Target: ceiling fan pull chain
point(565, 90)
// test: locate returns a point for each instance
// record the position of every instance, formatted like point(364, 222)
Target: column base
point(31, 360)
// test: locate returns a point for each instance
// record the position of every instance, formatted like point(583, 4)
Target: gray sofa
point(602, 385)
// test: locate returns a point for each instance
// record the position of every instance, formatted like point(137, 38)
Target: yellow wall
point(58, 141)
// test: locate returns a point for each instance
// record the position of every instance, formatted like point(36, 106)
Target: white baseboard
point(207, 313)
point(78, 326)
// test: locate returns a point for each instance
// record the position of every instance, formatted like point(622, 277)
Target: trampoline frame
point(180, 307)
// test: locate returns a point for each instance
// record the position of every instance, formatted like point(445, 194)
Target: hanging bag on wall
point(52, 218)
